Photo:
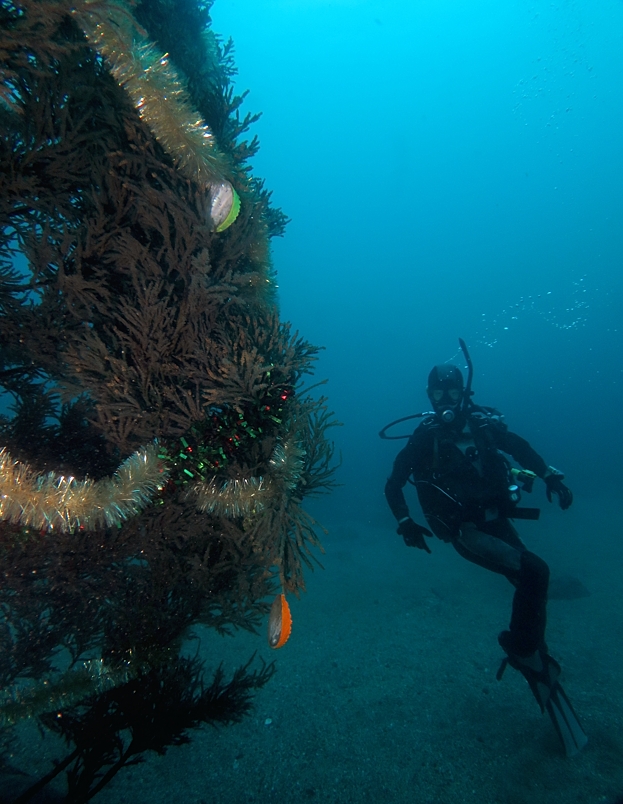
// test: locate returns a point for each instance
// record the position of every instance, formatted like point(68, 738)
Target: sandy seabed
point(386, 690)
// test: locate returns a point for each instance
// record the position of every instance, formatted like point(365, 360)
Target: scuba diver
point(469, 493)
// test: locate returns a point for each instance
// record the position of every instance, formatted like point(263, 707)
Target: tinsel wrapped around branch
point(230, 498)
point(49, 502)
point(155, 87)
point(56, 502)
point(233, 498)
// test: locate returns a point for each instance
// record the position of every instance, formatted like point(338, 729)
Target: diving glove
point(553, 481)
point(413, 534)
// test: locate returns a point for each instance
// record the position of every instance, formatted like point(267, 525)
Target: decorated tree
point(156, 440)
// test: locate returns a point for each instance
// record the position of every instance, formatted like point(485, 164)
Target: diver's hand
point(413, 534)
point(553, 481)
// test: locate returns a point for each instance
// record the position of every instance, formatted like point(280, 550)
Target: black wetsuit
point(462, 479)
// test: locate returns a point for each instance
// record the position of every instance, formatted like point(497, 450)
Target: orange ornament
point(279, 622)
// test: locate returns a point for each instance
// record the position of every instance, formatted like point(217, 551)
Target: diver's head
point(446, 391)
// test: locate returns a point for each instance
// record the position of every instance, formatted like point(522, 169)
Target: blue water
point(451, 169)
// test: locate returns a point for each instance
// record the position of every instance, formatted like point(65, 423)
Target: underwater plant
point(156, 442)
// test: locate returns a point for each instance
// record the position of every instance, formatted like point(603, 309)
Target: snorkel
point(470, 375)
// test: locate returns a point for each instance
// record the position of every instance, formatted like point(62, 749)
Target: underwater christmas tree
point(156, 445)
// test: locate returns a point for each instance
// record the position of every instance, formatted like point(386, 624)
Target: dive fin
point(541, 671)
point(566, 722)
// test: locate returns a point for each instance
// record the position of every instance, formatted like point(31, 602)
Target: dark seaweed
point(133, 320)
point(150, 713)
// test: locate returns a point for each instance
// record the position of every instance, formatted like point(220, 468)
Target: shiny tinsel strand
point(154, 86)
point(56, 502)
point(231, 498)
point(287, 463)
point(234, 498)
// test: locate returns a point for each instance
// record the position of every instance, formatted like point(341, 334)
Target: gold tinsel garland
point(56, 502)
point(234, 498)
point(154, 86)
point(230, 498)
point(287, 462)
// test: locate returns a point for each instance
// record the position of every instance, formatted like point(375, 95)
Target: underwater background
point(451, 169)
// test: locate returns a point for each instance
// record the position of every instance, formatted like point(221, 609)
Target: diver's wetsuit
point(462, 481)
